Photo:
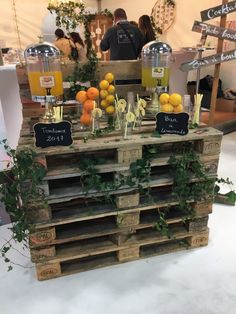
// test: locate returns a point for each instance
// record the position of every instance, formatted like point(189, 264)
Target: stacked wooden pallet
point(80, 230)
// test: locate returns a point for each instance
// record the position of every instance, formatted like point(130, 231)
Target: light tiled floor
point(200, 281)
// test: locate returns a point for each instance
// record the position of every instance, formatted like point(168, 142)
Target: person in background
point(124, 40)
point(146, 28)
point(77, 42)
point(62, 43)
point(134, 23)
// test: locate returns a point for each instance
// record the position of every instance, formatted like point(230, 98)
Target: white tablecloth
point(10, 117)
point(10, 104)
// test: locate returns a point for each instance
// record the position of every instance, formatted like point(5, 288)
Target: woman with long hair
point(77, 42)
point(146, 28)
point(62, 43)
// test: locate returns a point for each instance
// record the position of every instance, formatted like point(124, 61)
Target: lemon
point(111, 89)
point(104, 84)
point(103, 93)
point(109, 77)
point(104, 103)
point(96, 113)
point(110, 99)
point(142, 102)
point(175, 99)
point(130, 117)
point(178, 108)
point(167, 108)
point(164, 98)
point(110, 109)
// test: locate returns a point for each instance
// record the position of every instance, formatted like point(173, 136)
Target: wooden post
point(99, 6)
point(216, 72)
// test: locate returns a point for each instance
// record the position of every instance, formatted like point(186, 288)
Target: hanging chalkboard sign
point(215, 31)
point(172, 123)
point(53, 134)
point(220, 10)
point(217, 58)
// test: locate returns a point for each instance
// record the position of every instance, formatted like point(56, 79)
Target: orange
point(104, 84)
point(88, 105)
point(85, 119)
point(164, 98)
point(109, 77)
point(175, 99)
point(103, 93)
point(81, 96)
point(92, 93)
point(178, 108)
point(111, 89)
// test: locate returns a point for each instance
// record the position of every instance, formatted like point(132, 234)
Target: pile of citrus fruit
point(88, 101)
point(107, 91)
point(171, 103)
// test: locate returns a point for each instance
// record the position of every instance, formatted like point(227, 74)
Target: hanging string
point(16, 21)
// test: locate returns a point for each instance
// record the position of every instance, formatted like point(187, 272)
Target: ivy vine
point(70, 15)
point(19, 189)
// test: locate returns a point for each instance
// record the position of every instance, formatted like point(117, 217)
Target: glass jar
point(44, 72)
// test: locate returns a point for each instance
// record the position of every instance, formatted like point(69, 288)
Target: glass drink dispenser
point(155, 66)
point(44, 72)
point(155, 72)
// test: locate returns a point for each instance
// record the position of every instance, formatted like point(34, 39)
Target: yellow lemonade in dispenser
point(155, 76)
point(46, 83)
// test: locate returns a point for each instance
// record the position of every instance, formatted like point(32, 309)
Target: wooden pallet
point(104, 252)
point(111, 223)
point(62, 182)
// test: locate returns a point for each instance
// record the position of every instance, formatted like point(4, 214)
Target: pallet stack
point(79, 231)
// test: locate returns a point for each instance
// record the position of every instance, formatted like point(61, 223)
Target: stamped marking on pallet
point(43, 237)
point(48, 271)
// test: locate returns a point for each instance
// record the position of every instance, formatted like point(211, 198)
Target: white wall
point(31, 16)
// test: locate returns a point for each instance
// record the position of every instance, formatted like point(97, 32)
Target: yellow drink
point(45, 83)
point(155, 76)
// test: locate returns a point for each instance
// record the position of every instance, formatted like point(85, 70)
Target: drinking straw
point(126, 123)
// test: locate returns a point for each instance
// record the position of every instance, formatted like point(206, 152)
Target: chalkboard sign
point(215, 31)
point(217, 58)
point(172, 123)
point(218, 11)
point(53, 134)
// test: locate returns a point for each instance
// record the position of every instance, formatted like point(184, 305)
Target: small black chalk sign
point(53, 134)
point(172, 123)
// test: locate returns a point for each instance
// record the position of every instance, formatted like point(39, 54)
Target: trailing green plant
point(162, 225)
point(227, 198)
point(18, 190)
point(184, 169)
point(91, 179)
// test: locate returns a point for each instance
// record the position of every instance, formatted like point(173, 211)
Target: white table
point(10, 116)
point(10, 104)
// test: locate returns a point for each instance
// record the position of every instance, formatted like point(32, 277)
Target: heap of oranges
point(88, 101)
point(107, 91)
point(171, 103)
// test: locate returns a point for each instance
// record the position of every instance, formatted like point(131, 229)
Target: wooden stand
point(78, 231)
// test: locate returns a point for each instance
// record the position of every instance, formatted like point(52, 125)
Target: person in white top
point(77, 42)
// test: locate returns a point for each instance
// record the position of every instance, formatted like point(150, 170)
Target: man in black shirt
point(124, 40)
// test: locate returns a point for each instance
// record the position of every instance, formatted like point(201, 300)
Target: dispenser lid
point(44, 48)
point(156, 47)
